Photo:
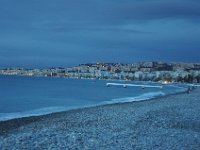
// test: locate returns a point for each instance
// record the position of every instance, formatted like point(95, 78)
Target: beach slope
point(171, 122)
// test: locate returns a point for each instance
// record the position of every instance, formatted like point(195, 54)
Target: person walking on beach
point(188, 90)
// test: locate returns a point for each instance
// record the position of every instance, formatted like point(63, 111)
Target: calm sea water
point(27, 96)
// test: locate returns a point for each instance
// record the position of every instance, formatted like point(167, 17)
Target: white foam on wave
point(37, 112)
point(48, 110)
point(141, 97)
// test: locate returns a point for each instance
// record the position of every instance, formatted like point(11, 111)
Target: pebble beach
point(170, 122)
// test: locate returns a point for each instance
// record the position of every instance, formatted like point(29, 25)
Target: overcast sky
point(45, 33)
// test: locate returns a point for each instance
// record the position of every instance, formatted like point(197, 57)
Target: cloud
point(108, 30)
point(149, 10)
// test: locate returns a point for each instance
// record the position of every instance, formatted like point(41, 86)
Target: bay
point(29, 96)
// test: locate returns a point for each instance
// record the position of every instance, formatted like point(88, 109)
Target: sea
point(23, 96)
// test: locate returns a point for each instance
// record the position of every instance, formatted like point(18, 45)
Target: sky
point(61, 33)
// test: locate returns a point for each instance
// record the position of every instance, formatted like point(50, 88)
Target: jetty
point(133, 85)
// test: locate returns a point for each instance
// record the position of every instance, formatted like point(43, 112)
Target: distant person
point(188, 90)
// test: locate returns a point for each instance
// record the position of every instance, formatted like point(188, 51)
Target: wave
point(37, 112)
point(48, 110)
point(141, 97)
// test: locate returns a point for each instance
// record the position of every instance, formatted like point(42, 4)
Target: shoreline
point(46, 110)
point(168, 122)
point(92, 106)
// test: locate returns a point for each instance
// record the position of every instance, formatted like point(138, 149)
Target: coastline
point(8, 125)
point(169, 121)
point(46, 109)
point(52, 110)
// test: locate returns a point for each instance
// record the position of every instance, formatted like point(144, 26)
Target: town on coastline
point(142, 71)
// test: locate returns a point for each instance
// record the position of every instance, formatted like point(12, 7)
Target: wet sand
point(171, 122)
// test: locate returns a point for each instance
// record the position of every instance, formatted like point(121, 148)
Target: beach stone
point(170, 122)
